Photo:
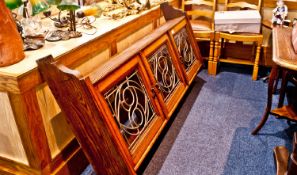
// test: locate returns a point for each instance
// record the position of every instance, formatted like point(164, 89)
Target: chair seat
point(200, 25)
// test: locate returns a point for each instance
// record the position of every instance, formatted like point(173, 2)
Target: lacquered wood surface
point(48, 151)
point(85, 118)
point(95, 104)
point(23, 75)
point(132, 50)
point(283, 53)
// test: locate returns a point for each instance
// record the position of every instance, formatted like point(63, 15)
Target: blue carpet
point(210, 132)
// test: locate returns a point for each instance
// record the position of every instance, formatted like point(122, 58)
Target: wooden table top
point(283, 52)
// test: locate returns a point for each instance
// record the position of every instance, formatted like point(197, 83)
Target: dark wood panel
point(86, 121)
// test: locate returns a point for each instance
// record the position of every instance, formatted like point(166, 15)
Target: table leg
point(283, 88)
point(279, 72)
point(272, 79)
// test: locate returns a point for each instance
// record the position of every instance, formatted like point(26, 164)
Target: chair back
point(242, 5)
point(199, 8)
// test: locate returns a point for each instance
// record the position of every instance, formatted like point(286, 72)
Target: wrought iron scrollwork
point(184, 47)
point(164, 71)
point(131, 107)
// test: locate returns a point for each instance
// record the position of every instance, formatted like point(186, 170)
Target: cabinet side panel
point(93, 63)
point(10, 141)
point(137, 35)
point(56, 127)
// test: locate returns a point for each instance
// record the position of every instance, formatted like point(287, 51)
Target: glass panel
point(164, 71)
point(131, 107)
point(185, 48)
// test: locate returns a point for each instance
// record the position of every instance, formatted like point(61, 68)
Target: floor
point(209, 133)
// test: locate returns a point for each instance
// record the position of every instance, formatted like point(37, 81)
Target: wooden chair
point(222, 37)
point(201, 15)
point(281, 159)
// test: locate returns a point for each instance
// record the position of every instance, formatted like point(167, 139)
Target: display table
point(34, 135)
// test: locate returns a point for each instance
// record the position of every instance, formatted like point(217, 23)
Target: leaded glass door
point(165, 73)
point(133, 107)
point(188, 52)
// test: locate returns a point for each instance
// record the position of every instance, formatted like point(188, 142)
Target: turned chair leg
point(217, 51)
point(256, 64)
point(272, 78)
point(211, 55)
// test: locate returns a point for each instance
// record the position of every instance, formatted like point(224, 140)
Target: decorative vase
point(11, 44)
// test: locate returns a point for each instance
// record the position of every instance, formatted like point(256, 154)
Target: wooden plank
point(108, 67)
point(236, 61)
point(134, 37)
point(10, 141)
point(9, 167)
point(29, 122)
point(292, 4)
point(96, 61)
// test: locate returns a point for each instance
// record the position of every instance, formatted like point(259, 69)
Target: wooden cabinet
point(135, 94)
point(34, 135)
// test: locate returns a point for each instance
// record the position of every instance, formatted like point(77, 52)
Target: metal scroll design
point(164, 71)
point(184, 47)
point(131, 107)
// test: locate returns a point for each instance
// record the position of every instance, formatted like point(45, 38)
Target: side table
point(285, 60)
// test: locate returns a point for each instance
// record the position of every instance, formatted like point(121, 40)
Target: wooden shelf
point(286, 112)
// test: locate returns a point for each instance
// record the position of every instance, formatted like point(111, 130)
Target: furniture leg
point(283, 88)
point(272, 78)
point(276, 81)
point(211, 55)
point(256, 64)
point(216, 54)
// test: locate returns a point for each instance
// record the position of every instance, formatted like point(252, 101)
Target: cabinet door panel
point(134, 110)
point(188, 53)
point(165, 73)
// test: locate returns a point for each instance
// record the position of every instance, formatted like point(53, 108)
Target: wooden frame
point(137, 151)
point(169, 104)
point(192, 69)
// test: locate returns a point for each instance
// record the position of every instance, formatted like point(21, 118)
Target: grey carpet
point(210, 132)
